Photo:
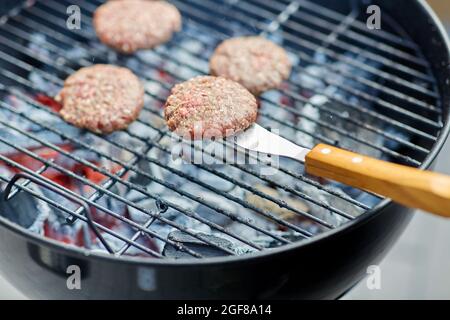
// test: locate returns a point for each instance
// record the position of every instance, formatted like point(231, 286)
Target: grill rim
point(254, 256)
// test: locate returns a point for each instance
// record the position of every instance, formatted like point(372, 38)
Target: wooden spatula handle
point(411, 187)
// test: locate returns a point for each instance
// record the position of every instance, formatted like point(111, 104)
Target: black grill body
point(324, 267)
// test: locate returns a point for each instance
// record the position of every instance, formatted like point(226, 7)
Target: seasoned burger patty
point(206, 107)
point(130, 25)
point(256, 63)
point(101, 98)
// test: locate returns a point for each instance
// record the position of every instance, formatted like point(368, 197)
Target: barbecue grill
point(140, 224)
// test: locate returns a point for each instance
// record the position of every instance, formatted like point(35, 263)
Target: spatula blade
point(258, 139)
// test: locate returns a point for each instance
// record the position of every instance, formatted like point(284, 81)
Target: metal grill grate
point(367, 91)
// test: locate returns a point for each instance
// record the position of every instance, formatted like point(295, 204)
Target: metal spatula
point(406, 185)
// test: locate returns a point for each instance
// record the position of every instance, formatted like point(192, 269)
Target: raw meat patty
point(130, 25)
point(255, 62)
point(206, 107)
point(101, 98)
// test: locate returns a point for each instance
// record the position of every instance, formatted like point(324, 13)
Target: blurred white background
point(418, 267)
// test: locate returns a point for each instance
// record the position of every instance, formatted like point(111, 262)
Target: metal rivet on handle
point(357, 160)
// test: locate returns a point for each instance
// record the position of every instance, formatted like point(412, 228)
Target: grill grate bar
point(292, 110)
point(192, 178)
point(155, 144)
point(309, 181)
point(314, 18)
point(12, 60)
point(300, 42)
point(265, 196)
point(243, 168)
point(110, 182)
point(167, 87)
point(308, 44)
point(403, 126)
point(350, 120)
point(354, 106)
point(83, 218)
point(362, 27)
point(383, 149)
point(20, 48)
point(135, 237)
point(388, 120)
point(244, 18)
point(277, 201)
point(371, 84)
point(69, 173)
point(413, 161)
point(15, 191)
point(108, 192)
point(342, 132)
point(133, 168)
point(54, 70)
point(86, 182)
point(280, 19)
point(131, 186)
point(43, 184)
point(107, 184)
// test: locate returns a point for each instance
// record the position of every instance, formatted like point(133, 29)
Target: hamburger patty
point(101, 98)
point(255, 62)
point(206, 107)
point(130, 25)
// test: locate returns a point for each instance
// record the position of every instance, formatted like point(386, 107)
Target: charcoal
point(25, 210)
point(196, 245)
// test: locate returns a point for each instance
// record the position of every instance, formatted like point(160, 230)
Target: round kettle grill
point(139, 226)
